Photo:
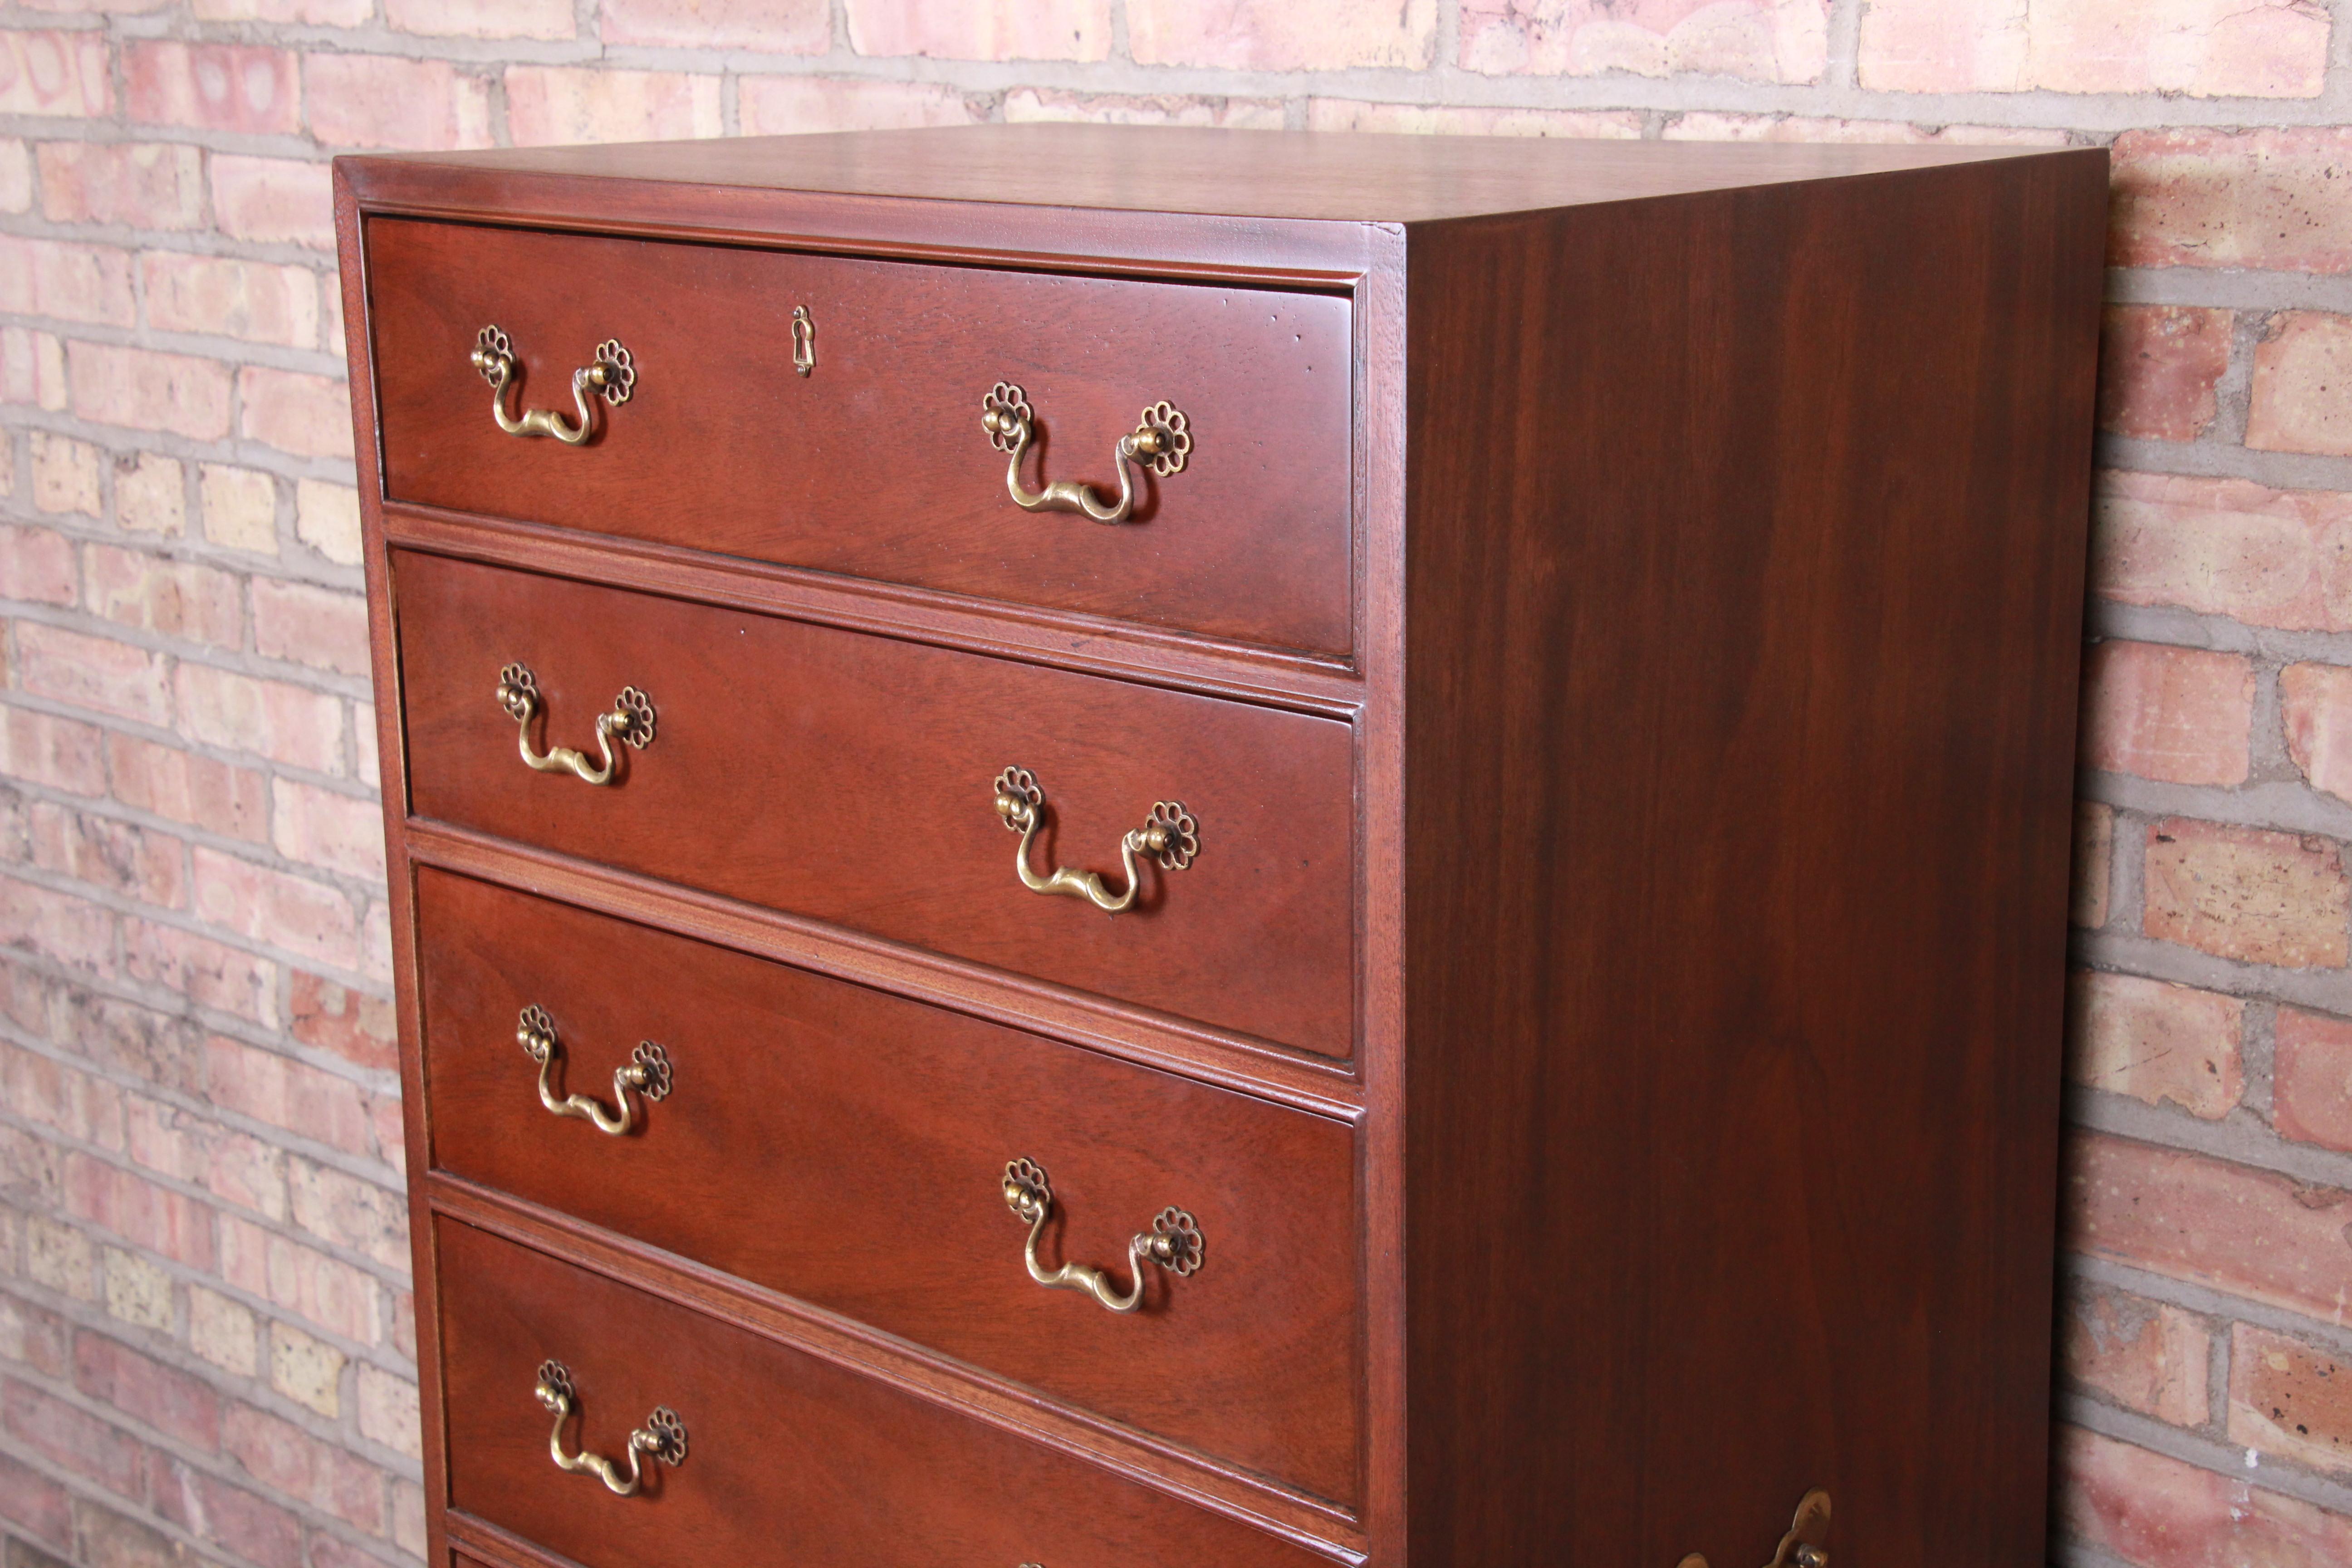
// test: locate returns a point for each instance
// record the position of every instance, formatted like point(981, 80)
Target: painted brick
point(56, 926)
point(2301, 370)
point(150, 493)
point(548, 105)
point(114, 383)
point(2228, 547)
point(66, 475)
point(310, 1285)
point(2290, 1399)
point(2317, 703)
point(2311, 1079)
point(2154, 1511)
point(2247, 893)
point(223, 1332)
point(2158, 365)
point(993, 29)
point(119, 856)
point(769, 26)
point(251, 299)
point(388, 1412)
point(333, 831)
point(138, 185)
point(2148, 1356)
point(327, 519)
point(286, 1458)
point(1761, 40)
point(482, 19)
point(170, 598)
point(261, 1532)
point(1463, 119)
point(199, 791)
point(1704, 126)
point(2200, 48)
point(174, 1403)
point(323, 628)
point(305, 1370)
point(271, 718)
point(212, 87)
point(309, 415)
point(376, 100)
point(353, 1025)
point(2275, 198)
point(2247, 1232)
point(263, 905)
point(210, 973)
point(93, 672)
point(307, 13)
point(787, 105)
point(1260, 35)
point(43, 749)
point(2156, 1041)
point(239, 505)
point(279, 201)
point(72, 282)
point(54, 73)
point(2175, 714)
point(283, 1093)
point(37, 564)
point(70, 1438)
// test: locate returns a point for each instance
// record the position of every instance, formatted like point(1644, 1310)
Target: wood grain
point(849, 778)
point(876, 464)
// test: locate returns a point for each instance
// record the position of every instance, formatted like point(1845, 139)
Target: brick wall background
point(206, 1337)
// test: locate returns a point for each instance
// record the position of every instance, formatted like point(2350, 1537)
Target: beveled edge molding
point(494, 1543)
point(1322, 685)
point(1286, 1074)
point(1257, 1501)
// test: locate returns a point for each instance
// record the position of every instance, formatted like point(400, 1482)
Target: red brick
point(286, 1093)
point(72, 282)
point(126, 1037)
point(213, 86)
point(210, 973)
point(789, 105)
point(310, 1285)
point(66, 475)
point(404, 1324)
point(482, 19)
point(323, 628)
point(44, 72)
point(287, 1459)
point(1455, 120)
point(2202, 48)
point(170, 1400)
point(2247, 893)
point(1761, 40)
point(2146, 1355)
point(309, 415)
point(333, 831)
point(34, 1503)
point(59, 752)
point(2175, 714)
point(2095, 841)
point(170, 598)
point(350, 1214)
point(139, 1210)
point(210, 1508)
point(307, 13)
point(251, 299)
point(2158, 365)
point(1008, 30)
point(235, 1167)
point(73, 1103)
point(2290, 1399)
point(2227, 547)
point(93, 672)
point(267, 718)
point(188, 788)
point(138, 185)
point(354, 1025)
point(2275, 199)
point(769, 26)
point(279, 201)
point(1706, 126)
point(2154, 1511)
point(37, 564)
point(114, 383)
point(119, 856)
point(554, 104)
point(2249, 1233)
point(263, 905)
point(2310, 1087)
point(111, 1539)
point(70, 1438)
point(2303, 368)
point(2317, 700)
point(377, 100)
point(32, 368)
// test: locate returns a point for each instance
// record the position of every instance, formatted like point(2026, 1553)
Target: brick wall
point(206, 1337)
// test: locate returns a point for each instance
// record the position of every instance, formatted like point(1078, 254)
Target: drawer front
point(849, 777)
point(788, 1458)
point(848, 1148)
point(875, 463)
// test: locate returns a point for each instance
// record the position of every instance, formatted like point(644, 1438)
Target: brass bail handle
point(646, 1073)
point(662, 1439)
point(1169, 836)
point(1161, 441)
point(1807, 1543)
point(611, 376)
point(630, 720)
point(1173, 1242)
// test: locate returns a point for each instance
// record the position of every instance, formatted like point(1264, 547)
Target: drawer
point(850, 778)
point(875, 464)
point(788, 1458)
point(848, 1148)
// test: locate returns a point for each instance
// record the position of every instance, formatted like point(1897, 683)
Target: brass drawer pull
point(1161, 441)
point(1173, 1242)
point(648, 1073)
point(662, 1438)
point(612, 376)
point(631, 721)
point(1807, 1543)
point(1169, 836)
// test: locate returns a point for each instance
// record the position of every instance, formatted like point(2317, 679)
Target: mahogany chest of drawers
point(1147, 847)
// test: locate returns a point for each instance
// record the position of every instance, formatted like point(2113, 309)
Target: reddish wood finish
point(850, 778)
point(875, 464)
point(845, 1147)
point(789, 1458)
